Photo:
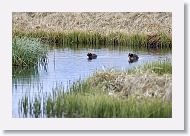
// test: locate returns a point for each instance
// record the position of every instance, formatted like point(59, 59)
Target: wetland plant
point(24, 106)
point(78, 38)
point(102, 105)
point(137, 93)
point(27, 51)
point(160, 68)
point(37, 107)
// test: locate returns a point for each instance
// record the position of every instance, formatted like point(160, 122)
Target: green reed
point(163, 67)
point(77, 38)
point(19, 72)
point(92, 99)
point(98, 104)
point(37, 107)
point(24, 106)
point(104, 106)
point(158, 67)
point(27, 52)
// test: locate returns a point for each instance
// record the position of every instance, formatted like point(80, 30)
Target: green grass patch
point(104, 106)
point(96, 104)
point(158, 67)
point(164, 67)
point(27, 51)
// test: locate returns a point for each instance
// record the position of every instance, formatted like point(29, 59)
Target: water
point(66, 66)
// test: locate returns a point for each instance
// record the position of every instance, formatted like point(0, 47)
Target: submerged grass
point(156, 41)
point(141, 93)
point(27, 51)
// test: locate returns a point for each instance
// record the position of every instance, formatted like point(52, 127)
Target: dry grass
point(139, 83)
point(101, 22)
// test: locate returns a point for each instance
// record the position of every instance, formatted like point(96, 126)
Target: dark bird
point(132, 57)
point(91, 56)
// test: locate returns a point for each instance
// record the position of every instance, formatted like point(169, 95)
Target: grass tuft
point(27, 52)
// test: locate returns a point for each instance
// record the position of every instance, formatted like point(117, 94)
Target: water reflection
point(63, 66)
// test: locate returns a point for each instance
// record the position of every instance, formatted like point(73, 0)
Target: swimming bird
point(132, 57)
point(91, 56)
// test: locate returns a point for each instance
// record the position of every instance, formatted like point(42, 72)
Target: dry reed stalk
point(101, 22)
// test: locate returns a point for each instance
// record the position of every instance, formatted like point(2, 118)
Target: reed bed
point(19, 72)
point(138, 29)
point(78, 38)
point(27, 52)
point(137, 93)
point(30, 107)
point(104, 106)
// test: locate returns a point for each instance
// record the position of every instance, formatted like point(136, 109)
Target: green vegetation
point(19, 72)
point(27, 52)
point(104, 106)
point(24, 106)
point(143, 92)
point(156, 41)
point(138, 93)
point(28, 48)
point(158, 67)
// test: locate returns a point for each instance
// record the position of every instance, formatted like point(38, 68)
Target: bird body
point(91, 56)
point(132, 57)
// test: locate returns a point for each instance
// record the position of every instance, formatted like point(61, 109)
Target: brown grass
point(101, 22)
point(140, 84)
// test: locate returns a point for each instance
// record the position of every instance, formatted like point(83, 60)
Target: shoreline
point(151, 98)
point(140, 92)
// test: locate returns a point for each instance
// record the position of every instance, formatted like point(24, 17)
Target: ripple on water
point(66, 66)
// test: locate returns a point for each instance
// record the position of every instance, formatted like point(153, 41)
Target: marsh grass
point(104, 106)
point(164, 67)
point(24, 106)
point(20, 72)
point(36, 107)
point(53, 104)
point(109, 94)
point(27, 52)
point(98, 104)
point(158, 67)
point(77, 38)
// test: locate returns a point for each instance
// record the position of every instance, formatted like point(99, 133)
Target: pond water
point(66, 66)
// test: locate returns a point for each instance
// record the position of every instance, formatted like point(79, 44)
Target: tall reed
point(27, 51)
point(78, 38)
point(104, 106)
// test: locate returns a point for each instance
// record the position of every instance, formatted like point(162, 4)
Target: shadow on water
point(115, 48)
point(64, 66)
point(20, 72)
